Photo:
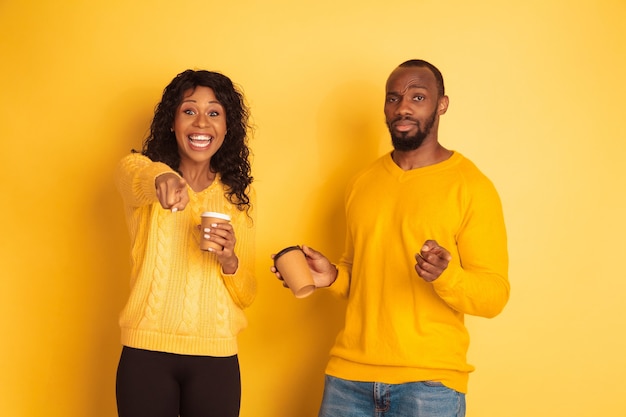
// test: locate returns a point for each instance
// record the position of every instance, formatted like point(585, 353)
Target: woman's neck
point(199, 177)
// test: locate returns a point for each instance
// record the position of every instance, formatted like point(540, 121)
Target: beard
point(404, 142)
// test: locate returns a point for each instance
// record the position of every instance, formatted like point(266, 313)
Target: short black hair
point(421, 63)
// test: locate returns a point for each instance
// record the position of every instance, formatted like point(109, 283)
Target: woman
point(179, 327)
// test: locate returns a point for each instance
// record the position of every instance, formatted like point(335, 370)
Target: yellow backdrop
point(536, 100)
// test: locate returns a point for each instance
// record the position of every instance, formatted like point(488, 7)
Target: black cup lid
point(284, 251)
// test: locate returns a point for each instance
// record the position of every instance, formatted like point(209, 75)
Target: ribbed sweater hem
point(179, 344)
point(353, 371)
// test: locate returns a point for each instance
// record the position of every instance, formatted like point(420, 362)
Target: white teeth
point(200, 141)
point(200, 137)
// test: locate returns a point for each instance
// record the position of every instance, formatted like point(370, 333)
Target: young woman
point(179, 327)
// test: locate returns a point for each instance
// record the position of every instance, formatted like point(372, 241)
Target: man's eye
point(392, 99)
point(418, 98)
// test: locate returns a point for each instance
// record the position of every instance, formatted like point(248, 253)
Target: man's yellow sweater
point(398, 327)
point(180, 300)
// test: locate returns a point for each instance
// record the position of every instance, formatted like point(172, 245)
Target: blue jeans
point(374, 399)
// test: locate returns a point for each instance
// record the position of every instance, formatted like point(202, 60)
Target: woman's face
point(199, 125)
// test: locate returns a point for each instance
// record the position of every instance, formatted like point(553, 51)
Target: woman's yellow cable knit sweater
point(180, 300)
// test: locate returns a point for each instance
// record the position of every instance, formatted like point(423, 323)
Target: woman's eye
point(189, 112)
point(214, 113)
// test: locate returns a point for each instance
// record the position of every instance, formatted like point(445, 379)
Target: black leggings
point(158, 384)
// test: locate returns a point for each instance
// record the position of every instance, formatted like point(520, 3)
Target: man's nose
point(404, 107)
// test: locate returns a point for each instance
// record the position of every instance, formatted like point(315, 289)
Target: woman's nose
point(202, 120)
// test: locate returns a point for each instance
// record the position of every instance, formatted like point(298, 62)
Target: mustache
point(402, 118)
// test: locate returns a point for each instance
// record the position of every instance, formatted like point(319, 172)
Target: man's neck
point(425, 155)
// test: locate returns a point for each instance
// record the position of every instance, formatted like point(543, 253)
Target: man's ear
point(443, 105)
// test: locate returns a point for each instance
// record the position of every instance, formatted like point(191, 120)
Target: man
point(425, 245)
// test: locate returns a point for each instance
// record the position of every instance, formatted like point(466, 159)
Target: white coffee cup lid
point(216, 215)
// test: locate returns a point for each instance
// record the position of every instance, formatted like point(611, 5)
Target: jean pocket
point(433, 383)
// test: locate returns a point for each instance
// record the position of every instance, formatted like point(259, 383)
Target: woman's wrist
point(229, 268)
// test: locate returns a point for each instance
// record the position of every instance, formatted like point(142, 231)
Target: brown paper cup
point(206, 220)
point(292, 265)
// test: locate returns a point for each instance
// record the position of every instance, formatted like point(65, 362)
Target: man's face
point(412, 106)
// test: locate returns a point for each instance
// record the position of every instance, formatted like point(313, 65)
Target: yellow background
point(537, 97)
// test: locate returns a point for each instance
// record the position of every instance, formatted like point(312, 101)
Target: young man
point(425, 245)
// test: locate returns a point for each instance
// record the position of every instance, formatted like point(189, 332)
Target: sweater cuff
point(340, 287)
point(224, 274)
point(448, 280)
point(151, 173)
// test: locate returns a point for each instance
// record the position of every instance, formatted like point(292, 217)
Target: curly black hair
point(231, 161)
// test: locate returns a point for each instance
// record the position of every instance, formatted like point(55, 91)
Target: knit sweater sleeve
point(477, 283)
point(242, 285)
point(135, 176)
point(341, 286)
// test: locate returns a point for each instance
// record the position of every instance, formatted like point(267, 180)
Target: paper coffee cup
point(294, 269)
point(206, 220)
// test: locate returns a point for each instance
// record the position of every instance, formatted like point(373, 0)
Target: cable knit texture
point(180, 300)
